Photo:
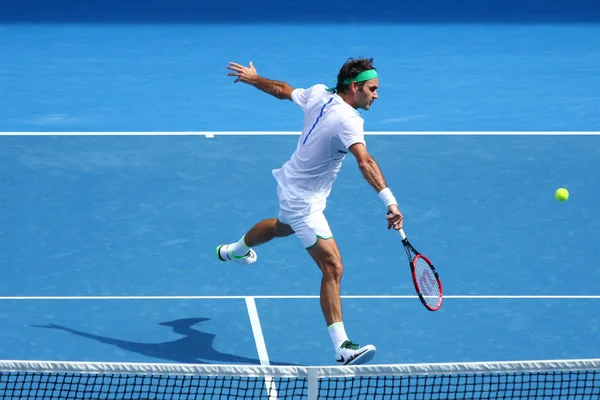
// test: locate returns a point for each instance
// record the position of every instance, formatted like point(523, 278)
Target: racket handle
point(401, 232)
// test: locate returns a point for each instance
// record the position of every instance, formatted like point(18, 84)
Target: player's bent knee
point(334, 272)
point(327, 256)
point(332, 268)
point(283, 230)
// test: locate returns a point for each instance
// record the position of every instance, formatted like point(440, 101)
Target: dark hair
point(351, 69)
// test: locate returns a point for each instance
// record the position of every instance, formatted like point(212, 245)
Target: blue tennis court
point(140, 216)
point(108, 240)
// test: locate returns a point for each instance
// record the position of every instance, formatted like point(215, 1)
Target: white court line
point(212, 134)
point(474, 297)
point(257, 331)
point(261, 347)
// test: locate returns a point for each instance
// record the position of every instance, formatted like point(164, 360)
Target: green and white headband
point(363, 76)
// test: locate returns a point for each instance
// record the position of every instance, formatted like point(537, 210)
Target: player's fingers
point(392, 220)
point(237, 70)
point(396, 222)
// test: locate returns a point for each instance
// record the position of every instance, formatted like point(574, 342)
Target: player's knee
point(333, 268)
point(283, 230)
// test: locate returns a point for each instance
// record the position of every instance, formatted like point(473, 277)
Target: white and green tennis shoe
point(352, 354)
point(225, 254)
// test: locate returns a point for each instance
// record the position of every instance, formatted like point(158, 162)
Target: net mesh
point(562, 379)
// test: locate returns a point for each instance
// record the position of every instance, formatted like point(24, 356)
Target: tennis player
point(332, 128)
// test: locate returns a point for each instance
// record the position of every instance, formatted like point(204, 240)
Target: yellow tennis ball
point(562, 194)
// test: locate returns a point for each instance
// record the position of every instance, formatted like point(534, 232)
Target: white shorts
point(305, 217)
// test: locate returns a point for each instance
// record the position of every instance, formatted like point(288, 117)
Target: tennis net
point(554, 379)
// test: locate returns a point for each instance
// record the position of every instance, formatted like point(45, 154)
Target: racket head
point(427, 282)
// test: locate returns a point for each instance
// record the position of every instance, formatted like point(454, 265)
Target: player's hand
point(394, 217)
point(242, 74)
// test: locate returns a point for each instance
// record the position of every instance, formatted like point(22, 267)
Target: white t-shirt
point(331, 126)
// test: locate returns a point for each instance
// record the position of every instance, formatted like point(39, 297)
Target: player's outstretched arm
point(373, 175)
point(278, 89)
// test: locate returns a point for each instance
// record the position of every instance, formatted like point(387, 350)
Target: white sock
point(239, 248)
point(337, 334)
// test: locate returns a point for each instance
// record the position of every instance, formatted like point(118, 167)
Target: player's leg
point(326, 254)
point(265, 231)
point(262, 232)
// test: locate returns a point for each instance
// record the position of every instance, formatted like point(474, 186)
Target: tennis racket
point(425, 277)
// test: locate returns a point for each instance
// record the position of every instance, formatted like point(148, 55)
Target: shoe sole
point(219, 255)
point(364, 357)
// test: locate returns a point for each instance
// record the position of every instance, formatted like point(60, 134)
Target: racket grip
point(401, 232)
point(402, 235)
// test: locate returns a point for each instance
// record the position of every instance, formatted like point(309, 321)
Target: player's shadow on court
point(195, 347)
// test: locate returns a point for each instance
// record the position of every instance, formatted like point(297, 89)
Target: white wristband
point(387, 197)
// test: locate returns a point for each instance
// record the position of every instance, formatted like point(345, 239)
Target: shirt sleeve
point(352, 132)
point(302, 97)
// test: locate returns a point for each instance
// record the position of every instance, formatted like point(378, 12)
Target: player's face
point(366, 95)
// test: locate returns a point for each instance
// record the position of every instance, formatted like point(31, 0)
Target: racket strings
point(427, 281)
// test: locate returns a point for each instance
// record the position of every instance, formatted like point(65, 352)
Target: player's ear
point(353, 87)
